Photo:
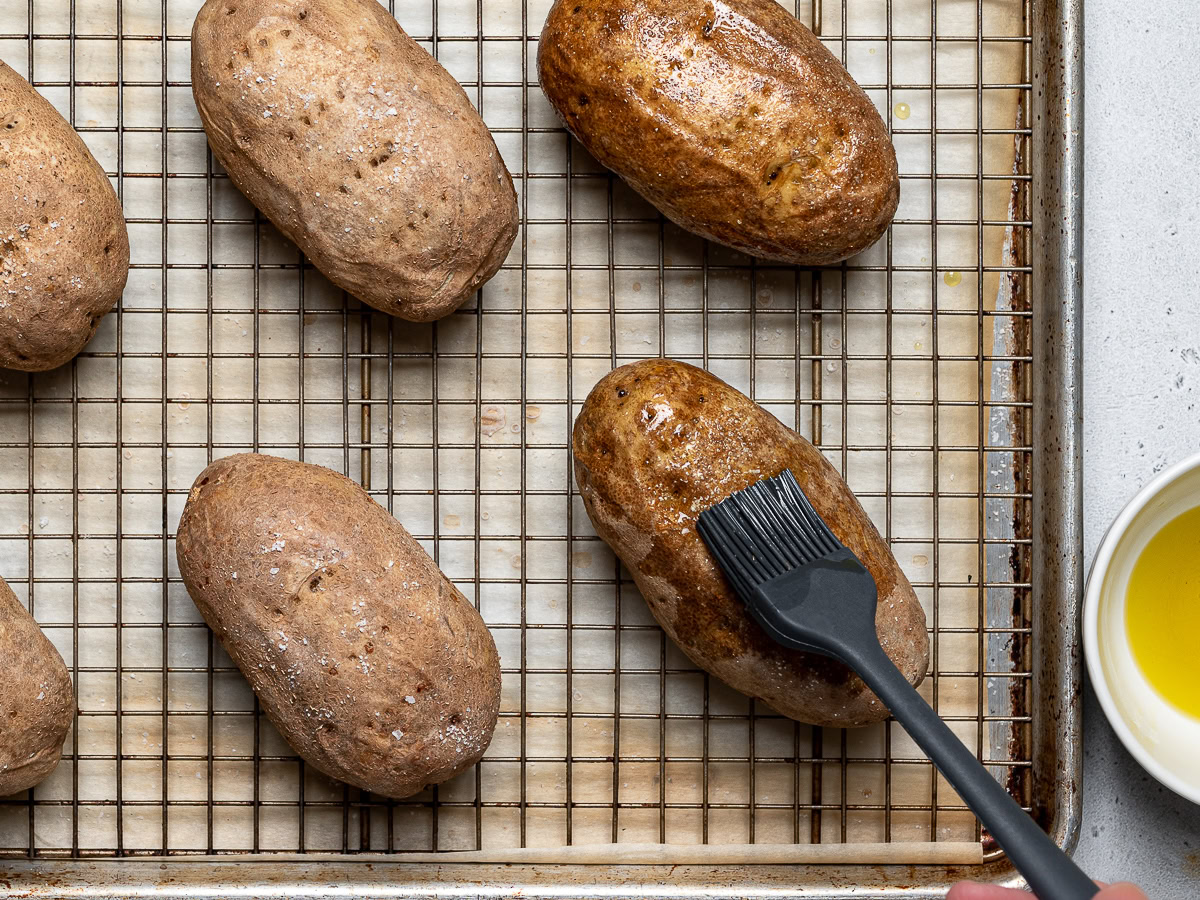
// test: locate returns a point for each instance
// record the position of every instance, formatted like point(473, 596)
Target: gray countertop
point(1141, 368)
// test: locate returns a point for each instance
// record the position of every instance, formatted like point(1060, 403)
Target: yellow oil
point(952, 279)
point(902, 110)
point(1162, 611)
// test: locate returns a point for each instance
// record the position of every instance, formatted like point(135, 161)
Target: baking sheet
point(906, 364)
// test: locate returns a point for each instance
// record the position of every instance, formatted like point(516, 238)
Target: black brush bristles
point(764, 531)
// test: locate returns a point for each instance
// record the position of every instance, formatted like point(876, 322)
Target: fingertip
point(1121, 890)
point(966, 890)
point(974, 890)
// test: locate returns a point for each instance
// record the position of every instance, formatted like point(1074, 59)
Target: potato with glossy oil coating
point(358, 146)
point(730, 117)
point(36, 704)
point(64, 250)
point(366, 658)
point(658, 442)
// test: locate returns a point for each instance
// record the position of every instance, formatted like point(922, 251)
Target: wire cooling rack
point(909, 366)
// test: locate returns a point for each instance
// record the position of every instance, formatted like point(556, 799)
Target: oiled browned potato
point(64, 250)
point(358, 145)
point(730, 117)
point(36, 701)
point(366, 658)
point(656, 443)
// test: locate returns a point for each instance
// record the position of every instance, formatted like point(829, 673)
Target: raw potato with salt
point(363, 654)
point(728, 115)
point(659, 441)
point(37, 703)
point(64, 250)
point(358, 146)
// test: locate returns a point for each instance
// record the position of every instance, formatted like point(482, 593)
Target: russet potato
point(36, 704)
point(367, 659)
point(64, 249)
point(728, 115)
point(358, 145)
point(659, 441)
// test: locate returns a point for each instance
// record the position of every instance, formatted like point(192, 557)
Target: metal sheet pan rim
point(201, 878)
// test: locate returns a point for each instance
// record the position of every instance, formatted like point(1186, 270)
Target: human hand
point(970, 890)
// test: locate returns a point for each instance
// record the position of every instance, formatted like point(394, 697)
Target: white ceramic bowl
point(1161, 737)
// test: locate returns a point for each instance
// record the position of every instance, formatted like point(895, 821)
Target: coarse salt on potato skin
point(64, 249)
point(656, 443)
point(358, 145)
point(37, 703)
point(367, 659)
point(728, 115)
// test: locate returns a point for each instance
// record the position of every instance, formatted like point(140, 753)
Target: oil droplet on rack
point(581, 559)
point(515, 428)
point(485, 515)
point(902, 110)
point(952, 279)
point(516, 561)
point(637, 287)
point(492, 419)
point(452, 521)
point(532, 413)
point(920, 560)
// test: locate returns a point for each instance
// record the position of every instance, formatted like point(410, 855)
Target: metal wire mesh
point(908, 365)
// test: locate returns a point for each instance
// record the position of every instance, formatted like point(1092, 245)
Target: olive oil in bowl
point(1162, 612)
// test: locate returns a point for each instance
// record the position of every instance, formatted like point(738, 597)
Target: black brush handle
point(1050, 872)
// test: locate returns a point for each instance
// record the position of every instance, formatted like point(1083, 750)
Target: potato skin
point(37, 703)
point(358, 146)
point(730, 117)
point(366, 658)
point(658, 442)
point(64, 250)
